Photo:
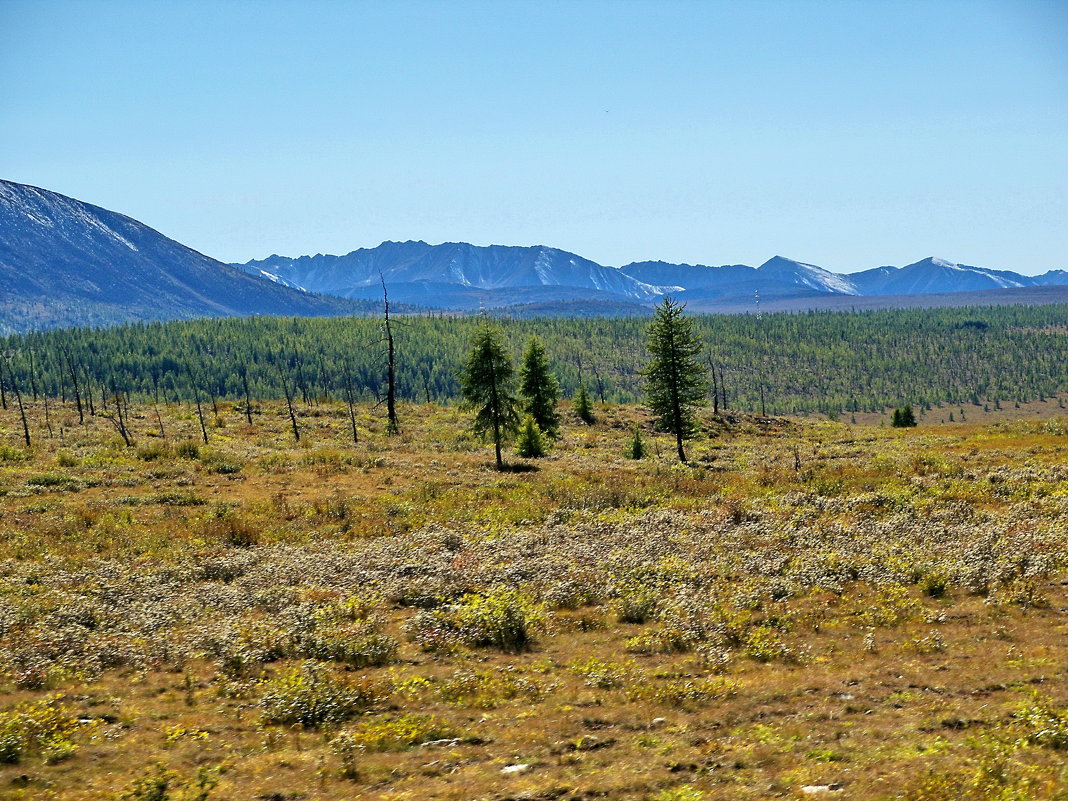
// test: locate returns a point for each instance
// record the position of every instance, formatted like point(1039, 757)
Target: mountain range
point(457, 275)
point(67, 262)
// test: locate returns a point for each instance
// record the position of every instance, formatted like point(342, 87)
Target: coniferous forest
point(816, 362)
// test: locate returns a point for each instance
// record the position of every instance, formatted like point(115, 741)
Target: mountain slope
point(933, 275)
point(63, 261)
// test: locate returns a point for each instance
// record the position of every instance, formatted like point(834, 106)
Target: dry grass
point(878, 611)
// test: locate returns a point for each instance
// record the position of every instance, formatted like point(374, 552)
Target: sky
point(846, 134)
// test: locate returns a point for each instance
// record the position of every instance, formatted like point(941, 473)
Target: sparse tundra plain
point(807, 609)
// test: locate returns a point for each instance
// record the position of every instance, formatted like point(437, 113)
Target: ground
point(808, 609)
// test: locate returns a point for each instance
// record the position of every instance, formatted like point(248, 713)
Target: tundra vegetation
point(805, 608)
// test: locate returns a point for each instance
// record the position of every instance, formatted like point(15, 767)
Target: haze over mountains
point(66, 262)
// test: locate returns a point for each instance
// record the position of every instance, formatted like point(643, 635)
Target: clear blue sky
point(848, 134)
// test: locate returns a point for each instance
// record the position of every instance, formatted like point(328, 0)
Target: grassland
point(809, 609)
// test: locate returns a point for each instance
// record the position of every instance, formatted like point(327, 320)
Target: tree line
point(828, 362)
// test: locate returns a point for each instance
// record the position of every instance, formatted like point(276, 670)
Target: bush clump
point(393, 734)
point(45, 727)
point(309, 695)
point(501, 619)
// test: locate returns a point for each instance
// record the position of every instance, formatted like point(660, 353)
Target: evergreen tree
point(636, 446)
point(486, 385)
point(675, 379)
point(583, 407)
point(903, 417)
point(539, 388)
point(531, 443)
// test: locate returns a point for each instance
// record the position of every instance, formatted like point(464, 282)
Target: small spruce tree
point(583, 407)
point(903, 417)
point(636, 446)
point(539, 388)
point(486, 384)
point(532, 442)
point(674, 378)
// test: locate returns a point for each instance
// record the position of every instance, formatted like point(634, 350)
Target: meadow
point(808, 609)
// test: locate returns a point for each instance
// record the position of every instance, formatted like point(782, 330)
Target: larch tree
point(486, 385)
point(539, 388)
point(675, 379)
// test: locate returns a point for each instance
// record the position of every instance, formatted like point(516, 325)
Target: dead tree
point(155, 404)
point(120, 417)
point(200, 409)
point(715, 386)
point(18, 398)
point(75, 387)
point(392, 427)
point(289, 398)
point(248, 395)
point(349, 400)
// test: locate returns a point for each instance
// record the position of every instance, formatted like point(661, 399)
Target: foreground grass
point(875, 613)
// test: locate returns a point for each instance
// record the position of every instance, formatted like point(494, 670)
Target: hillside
point(65, 262)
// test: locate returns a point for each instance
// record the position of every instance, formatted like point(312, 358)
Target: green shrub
point(187, 449)
point(636, 603)
point(636, 447)
point(45, 727)
point(10, 454)
point(500, 619)
point(393, 734)
point(489, 688)
point(309, 695)
point(1046, 725)
point(153, 451)
point(604, 675)
point(531, 444)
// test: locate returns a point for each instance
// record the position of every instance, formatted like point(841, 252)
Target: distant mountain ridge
point(66, 262)
point(458, 275)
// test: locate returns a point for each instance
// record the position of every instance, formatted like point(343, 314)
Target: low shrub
point(486, 689)
point(45, 727)
point(393, 734)
point(501, 619)
point(309, 695)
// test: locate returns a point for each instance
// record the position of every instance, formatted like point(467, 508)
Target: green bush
point(532, 444)
point(392, 734)
point(187, 449)
point(636, 447)
point(309, 695)
point(501, 619)
point(45, 727)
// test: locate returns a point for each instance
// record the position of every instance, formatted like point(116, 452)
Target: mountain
point(461, 276)
point(65, 262)
point(932, 275)
point(415, 269)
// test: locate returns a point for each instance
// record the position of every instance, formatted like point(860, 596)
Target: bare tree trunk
point(200, 409)
point(248, 395)
point(392, 427)
point(48, 415)
point(74, 383)
point(349, 402)
point(18, 398)
point(715, 386)
point(289, 402)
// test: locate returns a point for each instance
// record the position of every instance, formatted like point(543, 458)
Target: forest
point(815, 362)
